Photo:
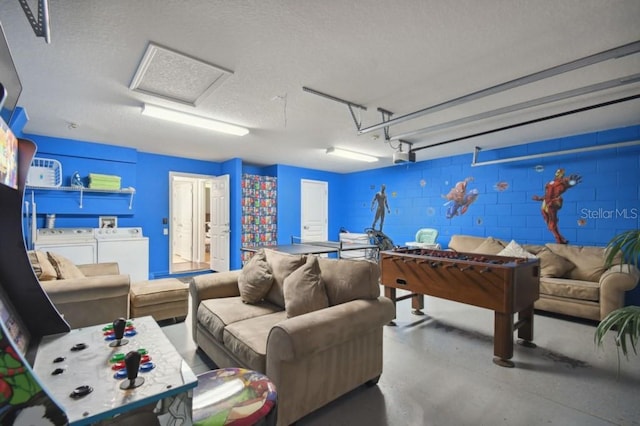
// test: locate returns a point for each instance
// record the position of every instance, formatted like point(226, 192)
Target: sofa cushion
point(489, 246)
point(282, 265)
point(534, 248)
point(572, 289)
point(348, 279)
point(304, 289)
point(589, 261)
point(465, 243)
point(43, 269)
point(255, 279)
point(514, 249)
point(552, 265)
point(65, 269)
point(216, 314)
point(247, 339)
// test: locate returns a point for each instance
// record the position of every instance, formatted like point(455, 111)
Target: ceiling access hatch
point(177, 77)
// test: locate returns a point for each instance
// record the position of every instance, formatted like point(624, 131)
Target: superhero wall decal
point(380, 199)
point(459, 199)
point(552, 201)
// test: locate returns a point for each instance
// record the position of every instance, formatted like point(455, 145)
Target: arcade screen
point(8, 156)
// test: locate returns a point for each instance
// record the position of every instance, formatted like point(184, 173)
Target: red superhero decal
point(552, 201)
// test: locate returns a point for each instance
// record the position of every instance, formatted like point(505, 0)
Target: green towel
point(93, 185)
point(101, 181)
point(103, 177)
point(97, 178)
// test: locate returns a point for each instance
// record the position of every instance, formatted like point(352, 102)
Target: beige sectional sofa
point(573, 279)
point(85, 295)
point(312, 325)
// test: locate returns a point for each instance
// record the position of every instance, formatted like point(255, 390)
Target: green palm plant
point(623, 248)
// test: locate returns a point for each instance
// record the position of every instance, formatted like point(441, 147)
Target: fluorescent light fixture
point(192, 120)
point(351, 155)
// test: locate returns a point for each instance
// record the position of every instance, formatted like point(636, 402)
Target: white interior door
point(183, 219)
point(314, 210)
point(220, 224)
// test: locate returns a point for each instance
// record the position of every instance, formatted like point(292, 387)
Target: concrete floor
point(438, 370)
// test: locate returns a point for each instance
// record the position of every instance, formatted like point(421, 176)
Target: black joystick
point(118, 331)
point(132, 364)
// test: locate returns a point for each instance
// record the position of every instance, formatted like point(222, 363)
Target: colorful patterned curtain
point(259, 211)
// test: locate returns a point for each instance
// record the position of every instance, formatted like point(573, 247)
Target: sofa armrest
point(307, 334)
point(614, 282)
point(211, 286)
point(96, 269)
point(76, 290)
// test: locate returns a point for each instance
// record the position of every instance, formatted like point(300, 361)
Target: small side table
point(234, 396)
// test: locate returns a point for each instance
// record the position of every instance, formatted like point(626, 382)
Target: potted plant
point(623, 248)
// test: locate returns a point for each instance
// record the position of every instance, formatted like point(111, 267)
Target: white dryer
point(126, 246)
point(76, 244)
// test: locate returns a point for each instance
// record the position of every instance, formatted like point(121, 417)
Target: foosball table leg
point(525, 328)
point(504, 327)
point(503, 339)
point(417, 304)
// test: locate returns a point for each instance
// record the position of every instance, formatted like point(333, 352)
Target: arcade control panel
point(97, 372)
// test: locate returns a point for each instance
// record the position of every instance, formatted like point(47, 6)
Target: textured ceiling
point(401, 56)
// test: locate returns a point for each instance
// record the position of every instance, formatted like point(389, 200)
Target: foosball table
point(506, 285)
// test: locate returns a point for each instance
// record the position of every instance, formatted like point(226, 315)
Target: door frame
point(325, 206)
point(199, 214)
point(218, 231)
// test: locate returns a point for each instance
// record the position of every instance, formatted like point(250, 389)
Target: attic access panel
point(177, 77)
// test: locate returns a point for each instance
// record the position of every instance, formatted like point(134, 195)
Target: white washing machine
point(126, 246)
point(76, 244)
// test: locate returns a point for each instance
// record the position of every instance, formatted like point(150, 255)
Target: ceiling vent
point(176, 77)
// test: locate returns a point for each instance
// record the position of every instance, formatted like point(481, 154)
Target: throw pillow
point(514, 249)
point(552, 265)
point(255, 279)
point(589, 261)
point(282, 265)
point(348, 279)
point(304, 290)
point(489, 246)
point(533, 248)
point(41, 266)
point(65, 268)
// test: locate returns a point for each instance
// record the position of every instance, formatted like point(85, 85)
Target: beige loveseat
point(85, 295)
point(312, 325)
point(573, 280)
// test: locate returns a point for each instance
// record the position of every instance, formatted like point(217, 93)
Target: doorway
point(314, 210)
point(190, 229)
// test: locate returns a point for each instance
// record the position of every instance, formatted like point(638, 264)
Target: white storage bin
point(45, 172)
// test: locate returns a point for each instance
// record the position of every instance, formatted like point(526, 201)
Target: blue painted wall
point(289, 200)
point(605, 201)
point(152, 200)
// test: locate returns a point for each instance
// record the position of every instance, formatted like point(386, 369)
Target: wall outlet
point(165, 231)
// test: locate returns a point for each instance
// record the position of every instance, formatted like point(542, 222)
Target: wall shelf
point(125, 191)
